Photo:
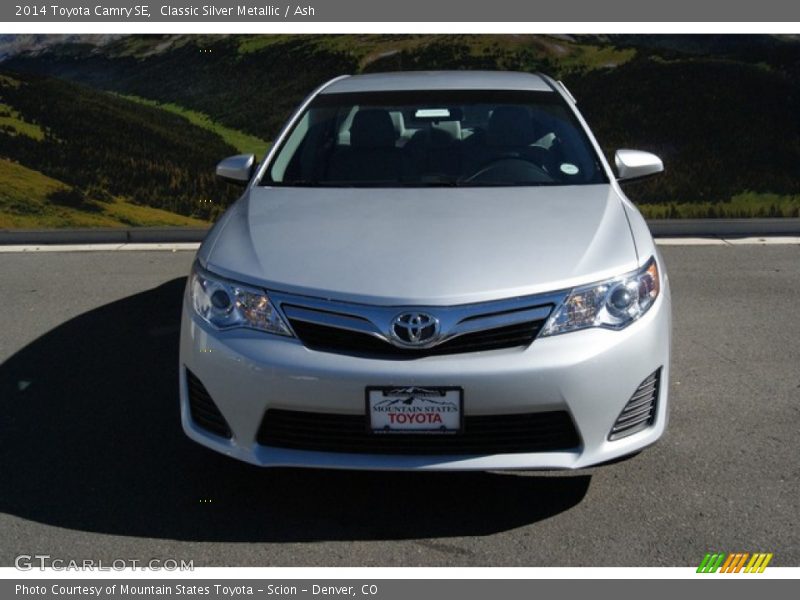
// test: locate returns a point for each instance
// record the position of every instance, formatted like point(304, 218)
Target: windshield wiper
point(439, 182)
point(508, 183)
point(318, 183)
point(424, 184)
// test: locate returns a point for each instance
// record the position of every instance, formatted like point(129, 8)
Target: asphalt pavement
point(93, 463)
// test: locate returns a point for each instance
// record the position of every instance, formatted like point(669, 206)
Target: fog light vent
point(640, 411)
point(203, 410)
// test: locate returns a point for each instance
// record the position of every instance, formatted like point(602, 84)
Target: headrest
point(372, 128)
point(451, 128)
point(398, 122)
point(509, 126)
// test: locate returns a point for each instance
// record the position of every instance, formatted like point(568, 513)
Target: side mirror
point(635, 164)
point(237, 169)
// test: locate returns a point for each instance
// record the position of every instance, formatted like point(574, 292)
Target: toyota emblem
point(414, 328)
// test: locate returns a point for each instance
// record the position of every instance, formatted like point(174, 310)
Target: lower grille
point(341, 341)
point(203, 410)
point(483, 434)
point(640, 411)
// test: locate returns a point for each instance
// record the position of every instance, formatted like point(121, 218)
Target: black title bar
point(458, 11)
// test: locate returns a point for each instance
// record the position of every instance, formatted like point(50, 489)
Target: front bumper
point(591, 374)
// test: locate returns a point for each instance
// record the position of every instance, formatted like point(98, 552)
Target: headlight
point(615, 303)
point(227, 304)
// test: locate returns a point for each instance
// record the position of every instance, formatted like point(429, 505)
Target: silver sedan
point(430, 270)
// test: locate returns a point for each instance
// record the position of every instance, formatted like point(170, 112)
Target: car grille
point(368, 330)
point(640, 411)
point(342, 341)
point(204, 412)
point(482, 434)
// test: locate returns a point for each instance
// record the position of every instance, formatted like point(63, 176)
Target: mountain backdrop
point(126, 130)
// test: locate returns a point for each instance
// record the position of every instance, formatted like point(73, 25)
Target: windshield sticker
point(569, 169)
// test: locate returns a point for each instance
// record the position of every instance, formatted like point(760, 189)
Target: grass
point(18, 183)
point(5, 80)
point(570, 55)
point(243, 142)
point(587, 58)
point(24, 204)
point(254, 43)
point(136, 215)
point(363, 48)
point(746, 205)
point(143, 46)
point(11, 120)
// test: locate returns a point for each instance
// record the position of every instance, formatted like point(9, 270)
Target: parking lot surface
point(93, 462)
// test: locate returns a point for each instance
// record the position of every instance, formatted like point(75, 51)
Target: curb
point(139, 235)
point(173, 235)
point(723, 227)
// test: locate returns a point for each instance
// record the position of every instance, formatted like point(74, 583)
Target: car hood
point(422, 246)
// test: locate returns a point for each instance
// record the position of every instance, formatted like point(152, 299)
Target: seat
point(510, 133)
point(510, 127)
point(433, 151)
point(372, 155)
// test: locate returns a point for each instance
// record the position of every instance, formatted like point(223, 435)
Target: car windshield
point(436, 138)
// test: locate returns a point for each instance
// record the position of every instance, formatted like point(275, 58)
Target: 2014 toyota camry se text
point(429, 271)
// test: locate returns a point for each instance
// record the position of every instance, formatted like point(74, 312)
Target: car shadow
point(90, 439)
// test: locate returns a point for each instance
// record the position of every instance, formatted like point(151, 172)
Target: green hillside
point(108, 150)
point(243, 142)
point(721, 110)
point(251, 83)
point(721, 127)
point(29, 199)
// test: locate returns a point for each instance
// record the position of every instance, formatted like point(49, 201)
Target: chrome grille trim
point(330, 319)
point(456, 320)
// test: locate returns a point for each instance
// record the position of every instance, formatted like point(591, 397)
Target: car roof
point(438, 80)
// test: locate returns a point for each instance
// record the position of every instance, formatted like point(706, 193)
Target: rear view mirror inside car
point(438, 114)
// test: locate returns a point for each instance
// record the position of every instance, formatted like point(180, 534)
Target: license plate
point(415, 409)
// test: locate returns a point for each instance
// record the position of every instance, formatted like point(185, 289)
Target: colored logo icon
point(737, 562)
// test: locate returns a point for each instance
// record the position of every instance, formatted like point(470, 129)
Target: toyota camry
point(429, 270)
